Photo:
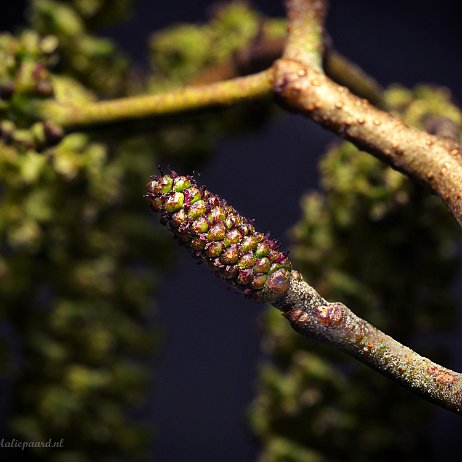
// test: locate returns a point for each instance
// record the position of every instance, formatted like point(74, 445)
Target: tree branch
point(303, 87)
point(224, 93)
point(333, 323)
point(253, 264)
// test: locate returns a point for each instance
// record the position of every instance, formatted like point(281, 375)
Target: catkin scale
point(215, 233)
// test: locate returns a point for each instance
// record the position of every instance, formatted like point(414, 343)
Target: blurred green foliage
point(386, 248)
point(77, 279)
point(79, 260)
point(182, 52)
point(24, 79)
point(78, 267)
point(94, 61)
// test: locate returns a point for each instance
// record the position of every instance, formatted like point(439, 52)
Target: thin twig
point(224, 93)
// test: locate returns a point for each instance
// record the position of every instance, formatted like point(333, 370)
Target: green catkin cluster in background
point(79, 260)
point(215, 233)
point(25, 78)
point(371, 239)
point(182, 52)
point(94, 61)
point(77, 277)
point(97, 13)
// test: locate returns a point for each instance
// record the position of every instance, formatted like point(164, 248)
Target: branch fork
point(432, 160)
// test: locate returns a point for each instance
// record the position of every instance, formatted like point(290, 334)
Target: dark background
point(205, 377)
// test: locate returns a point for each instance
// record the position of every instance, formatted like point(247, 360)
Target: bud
point(215, 233)
point(24, 77)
